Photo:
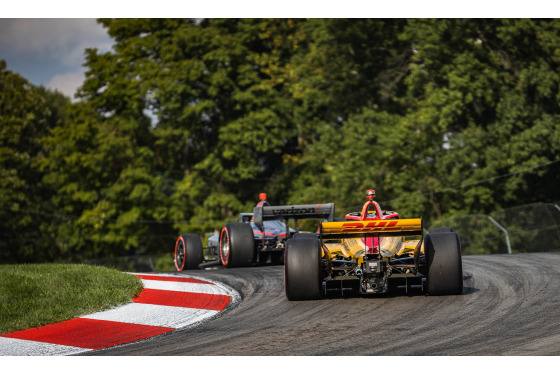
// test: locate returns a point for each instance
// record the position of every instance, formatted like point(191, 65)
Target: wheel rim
point(180, 255)
point(224, 247)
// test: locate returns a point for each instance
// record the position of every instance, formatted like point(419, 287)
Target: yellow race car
point(372, 252)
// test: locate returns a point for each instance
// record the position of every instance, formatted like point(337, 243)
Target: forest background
point(183, 124)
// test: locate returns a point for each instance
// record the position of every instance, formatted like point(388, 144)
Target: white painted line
point(154, 315)
point(222, 289)
point(20, 347)
point(211, 289)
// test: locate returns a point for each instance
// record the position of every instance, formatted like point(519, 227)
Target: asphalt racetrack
point(510, 306)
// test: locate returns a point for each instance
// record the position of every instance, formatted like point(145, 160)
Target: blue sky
point(50, 52)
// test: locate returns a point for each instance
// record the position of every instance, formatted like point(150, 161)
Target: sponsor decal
point(371, 226)
point(294, 211)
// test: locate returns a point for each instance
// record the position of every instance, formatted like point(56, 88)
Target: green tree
point(27, 220)
point(184, 122)
point(473, 100)
point(179, 127)
point(491, 89)
point(347, 85)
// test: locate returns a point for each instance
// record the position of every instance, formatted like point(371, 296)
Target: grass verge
point(40, 294)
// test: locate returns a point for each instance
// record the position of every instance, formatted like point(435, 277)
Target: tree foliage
point(184, 122)
point(27, 222)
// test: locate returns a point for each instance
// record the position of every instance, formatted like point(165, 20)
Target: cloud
point(51, 52)
point(67, 83)
point(61, 40)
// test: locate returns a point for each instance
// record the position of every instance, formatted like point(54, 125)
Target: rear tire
point(237, 245)
point(188, 252)
point(302, 269)
point(443, 263)
point(441, 229)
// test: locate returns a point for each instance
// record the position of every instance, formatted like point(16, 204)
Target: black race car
point(256, 238)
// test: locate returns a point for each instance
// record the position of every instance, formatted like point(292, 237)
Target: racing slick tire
point(302, 269)
point(237, 245)
point(443, 263)
point(441, 229)
point(188, 252)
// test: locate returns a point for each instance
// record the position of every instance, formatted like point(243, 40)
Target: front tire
point(302, 269)
point(443, 263)
point(237, 245)
point(188, 252)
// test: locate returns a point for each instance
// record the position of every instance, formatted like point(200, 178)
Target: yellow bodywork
point(372, 226)
point(353, 247)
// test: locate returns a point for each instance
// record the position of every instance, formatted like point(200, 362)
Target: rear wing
point(386, 227)
point(311, 211)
